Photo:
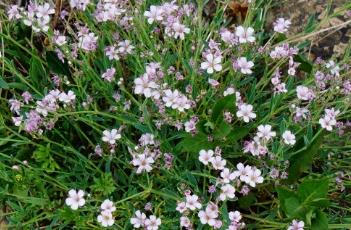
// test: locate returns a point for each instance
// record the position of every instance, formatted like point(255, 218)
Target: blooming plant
point(153, 115)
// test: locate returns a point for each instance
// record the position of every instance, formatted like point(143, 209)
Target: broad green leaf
point(246, 201)
point(225, 103)
point(320, 222)
point(294, 208)
point(194, 143)
point(238, 133)
point(303, 160)
point(314, 192)
point(222, 130)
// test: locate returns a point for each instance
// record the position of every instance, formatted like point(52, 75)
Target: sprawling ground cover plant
point(153, 115)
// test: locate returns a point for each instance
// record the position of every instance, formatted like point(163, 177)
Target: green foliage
point(104, 184)
point(307, 202)
point(43, 156)
point(302, 160)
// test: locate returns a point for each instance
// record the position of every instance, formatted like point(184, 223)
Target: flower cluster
point(38, 118)
point(149, 85)
point(147, 152)
point(170, 16)
point(105, 218)
point(140, 220)
point(329, 119)
point(37, 16)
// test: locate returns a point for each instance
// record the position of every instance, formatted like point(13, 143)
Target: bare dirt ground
point(299, 11)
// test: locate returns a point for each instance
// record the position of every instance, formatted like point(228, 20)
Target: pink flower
point(139, 219)
point(245, 112)
point(244, 65)
point(212, 63)
point(281, 25)
point(109, 74)
point(245, 34)
point(155, 14)
point(296, 225)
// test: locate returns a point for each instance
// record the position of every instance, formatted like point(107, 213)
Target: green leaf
point(238, 133)
point(42, 155)
point(314, 192)
point(37, 73)
point(311, 24)
point(301, 161)
point(294, 208)
point(305, 64)
point(55, 65)
point(194, 143)
point(222, 130)
point(225, 103)
point(104, 184)
point(246, 201)
point(320, 222)
point(3, 84)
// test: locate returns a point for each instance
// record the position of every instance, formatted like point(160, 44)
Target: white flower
point(79, 4)
point(179, 30)
point(192, 202)
point(229, 91)
point(111, 136)
point(242, 171)
point(245, 35)
point(289, 137)
point(44, 11)
point(212, 63)
point(227, 175)
point(218, 163)
point(253, 177)
point(75, 199)
point(17, 121)
point(296, 225)
point(327, 122)
point(235, 216)
point(334, 69)
point(170, 98)
point(281, 25)
point(106, 219)
point(143, 85)
point(14, 12)
point(143, 162)
point(155, 14)
point(108, 205)
point(152, 223)
point(265, 132)
point(206, 218)
point(147, 139)
point(67, 98)
point(60, 40)
point(332, 112)
point(244, 65)
point(245, 112)
point(139, 219)
point(205, 156)
point(304, 93)
point(88, 42)
point(227, 191)
point(181, 207)
point(185, 222)
point(109, 74)
point(125, 47)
